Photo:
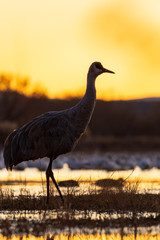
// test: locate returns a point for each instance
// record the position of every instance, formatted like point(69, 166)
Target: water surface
point(33, 181)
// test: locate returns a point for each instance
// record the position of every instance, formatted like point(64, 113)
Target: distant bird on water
point(53, 133)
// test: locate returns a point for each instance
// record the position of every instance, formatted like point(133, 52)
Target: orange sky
point(54, 42)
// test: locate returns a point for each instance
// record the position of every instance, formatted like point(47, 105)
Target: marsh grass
point(99, 207)
point(107, 198)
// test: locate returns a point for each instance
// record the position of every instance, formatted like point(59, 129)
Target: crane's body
point(53, 133)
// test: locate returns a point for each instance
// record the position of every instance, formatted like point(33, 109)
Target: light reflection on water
point(33, 174)
point(77, 233)
point(103, 236)
point(149, 181)
point(33, 180)
point(78, 214)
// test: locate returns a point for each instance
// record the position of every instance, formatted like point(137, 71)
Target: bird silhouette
point(53, 133)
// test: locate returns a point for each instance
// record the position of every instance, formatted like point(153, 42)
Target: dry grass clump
point(68, 183)
point(110, 183)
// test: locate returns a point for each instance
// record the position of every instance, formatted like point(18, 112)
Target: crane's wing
point(15, 146)
point(47, 135)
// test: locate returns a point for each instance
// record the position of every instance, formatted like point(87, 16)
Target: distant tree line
point(110, 118)
point(113, 118)
point(21, 85)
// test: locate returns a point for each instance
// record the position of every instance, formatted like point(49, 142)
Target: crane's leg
point(47, 177)
point(49, 174)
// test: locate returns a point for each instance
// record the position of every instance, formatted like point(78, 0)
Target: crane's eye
point(98, 65)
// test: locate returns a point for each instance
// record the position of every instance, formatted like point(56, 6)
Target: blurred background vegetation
point(114, 123)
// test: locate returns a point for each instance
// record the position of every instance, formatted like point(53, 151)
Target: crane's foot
point(55, 183)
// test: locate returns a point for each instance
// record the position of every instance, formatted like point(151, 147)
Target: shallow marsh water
point(34, 181)
point(100, 234)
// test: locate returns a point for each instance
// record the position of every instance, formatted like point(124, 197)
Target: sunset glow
point(54, 42)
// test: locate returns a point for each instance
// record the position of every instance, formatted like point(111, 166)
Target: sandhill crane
point(53, 133)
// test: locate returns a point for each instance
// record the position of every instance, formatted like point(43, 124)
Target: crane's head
point(96, 69)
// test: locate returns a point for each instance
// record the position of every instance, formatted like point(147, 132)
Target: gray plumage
point(53, 133)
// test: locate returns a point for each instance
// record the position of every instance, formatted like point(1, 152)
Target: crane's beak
point(106, 70)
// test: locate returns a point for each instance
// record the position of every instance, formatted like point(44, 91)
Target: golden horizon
point(25, 86)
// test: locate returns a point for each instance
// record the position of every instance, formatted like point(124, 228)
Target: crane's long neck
point(85, 107)
point(88, 101)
